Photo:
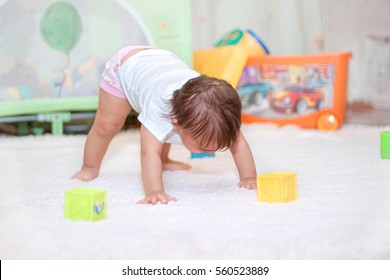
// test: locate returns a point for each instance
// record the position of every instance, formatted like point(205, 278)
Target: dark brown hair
point(209, 109)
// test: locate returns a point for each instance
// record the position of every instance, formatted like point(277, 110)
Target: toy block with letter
point(277, 187)
point(85, 204)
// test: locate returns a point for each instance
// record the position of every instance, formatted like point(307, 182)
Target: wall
point(310, 26)
point(287, 26)
point(363, 27)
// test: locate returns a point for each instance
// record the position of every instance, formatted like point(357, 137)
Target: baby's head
point(206, 113)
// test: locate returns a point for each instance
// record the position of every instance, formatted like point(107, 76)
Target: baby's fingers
point(249, 185)
point(162, 198)
point(143, 201)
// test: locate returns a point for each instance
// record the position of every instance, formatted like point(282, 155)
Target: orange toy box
point(307, 90)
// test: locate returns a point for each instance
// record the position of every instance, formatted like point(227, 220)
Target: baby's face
point(193, 144)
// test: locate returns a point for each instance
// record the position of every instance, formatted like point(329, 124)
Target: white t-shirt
point(149, 79)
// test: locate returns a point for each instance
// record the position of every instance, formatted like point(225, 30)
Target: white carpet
point(343, 210)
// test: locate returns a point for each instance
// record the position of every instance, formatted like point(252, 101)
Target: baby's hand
point(86, 174)
point(248, 183)
point(155, 197)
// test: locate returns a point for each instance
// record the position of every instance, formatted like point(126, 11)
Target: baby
point(175, 105)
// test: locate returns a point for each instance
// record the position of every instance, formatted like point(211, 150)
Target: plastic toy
point(385, 144)
point(202, 155)
point(307, 90)
point(225, 62)
point(85, 204)
point(244, 38)
point(277, 187)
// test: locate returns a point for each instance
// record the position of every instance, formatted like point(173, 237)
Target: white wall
point(362, 27)
point(286, 26)
point(309, 26)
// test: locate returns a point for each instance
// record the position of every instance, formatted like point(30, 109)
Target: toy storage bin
point(308, 90)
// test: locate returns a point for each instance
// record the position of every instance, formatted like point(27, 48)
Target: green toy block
point(385, 144)
point(85, 204)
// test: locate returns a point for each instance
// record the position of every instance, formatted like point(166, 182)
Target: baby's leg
point(169, 164)
point(110, 117)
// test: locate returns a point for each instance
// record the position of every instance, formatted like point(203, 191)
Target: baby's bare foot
point(86, 174)
point(175, 165)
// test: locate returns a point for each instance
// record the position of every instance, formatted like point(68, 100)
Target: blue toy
point(202, 155)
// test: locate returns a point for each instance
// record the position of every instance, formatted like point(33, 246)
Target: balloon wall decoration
point(61, 26)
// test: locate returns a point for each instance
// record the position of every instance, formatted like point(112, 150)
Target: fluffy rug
point(343, 209)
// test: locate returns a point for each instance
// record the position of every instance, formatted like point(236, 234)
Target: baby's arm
point(151, 165)
point(244, 161)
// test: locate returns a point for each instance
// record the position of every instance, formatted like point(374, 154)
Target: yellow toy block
point(277, 187)
point(86, 204)
point(226, 62)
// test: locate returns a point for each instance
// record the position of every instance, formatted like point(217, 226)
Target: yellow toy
point(247, 39)
point(225, 62)
point(277, 187)
point(85, 204)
